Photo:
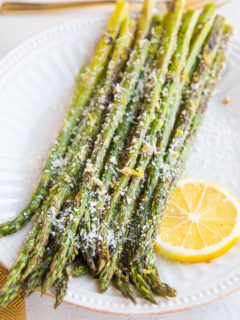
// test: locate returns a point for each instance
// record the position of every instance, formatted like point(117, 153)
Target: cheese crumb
point(139, 172)
point(68, 179)
point(131, 172)
point(179, 132)
point(206, 58)
point(226, 101)
point(192, 106)
point(147, 148)
point(89, 168)
point(127, 171)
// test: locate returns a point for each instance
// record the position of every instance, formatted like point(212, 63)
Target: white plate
point(36, 82)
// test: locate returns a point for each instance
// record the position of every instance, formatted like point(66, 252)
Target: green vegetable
point(61, 287)
point(139, 105)
point(95, 164)
point(151, 105)
point(87, 82)
point(192, 98)
point(114, 157)
point(96, 67)
point(72, 172)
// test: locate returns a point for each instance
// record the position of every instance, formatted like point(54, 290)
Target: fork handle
point(31, 7)
point(34, 7)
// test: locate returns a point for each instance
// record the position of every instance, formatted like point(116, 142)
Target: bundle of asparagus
point(137, 109)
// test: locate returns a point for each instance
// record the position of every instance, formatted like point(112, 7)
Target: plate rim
point(20, 50)
point(15, 55)
point(175, 311)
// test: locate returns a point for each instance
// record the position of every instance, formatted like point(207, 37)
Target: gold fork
point(34, 7)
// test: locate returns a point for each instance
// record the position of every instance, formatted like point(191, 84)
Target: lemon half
point(201, 222)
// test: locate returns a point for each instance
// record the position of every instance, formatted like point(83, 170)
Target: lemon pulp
point(201, 222)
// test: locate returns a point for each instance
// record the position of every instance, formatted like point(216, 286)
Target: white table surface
point(15, 29)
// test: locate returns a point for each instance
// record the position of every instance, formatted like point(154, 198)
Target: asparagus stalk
point(72, 171)
point(23, 258)
point(175, 70)
point(61, 287)
point(15, 274)
point(80, 270)
point(167, 187)
point(115, 151)
point(122, 45)
point(115, 58)
point(156, 81)
point(193, 97)
point(193, 94)
point(95, 164)
point(201, 31)
point(213, 77)
point(89, 243)
point(196, 124)
point(35, 279)
point(86, 84)
point(200, 34)
point(121, 280)
point(204, 19)
point(144, 273)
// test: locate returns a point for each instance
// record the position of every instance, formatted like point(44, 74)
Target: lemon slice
point(201, 222)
